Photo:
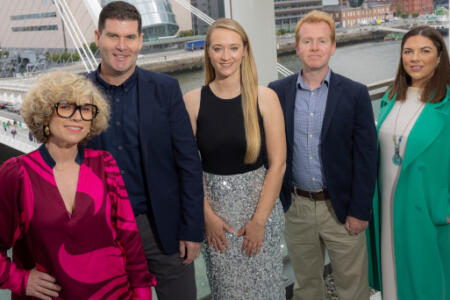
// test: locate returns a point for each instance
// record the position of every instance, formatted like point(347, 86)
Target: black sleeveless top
point(221, 135)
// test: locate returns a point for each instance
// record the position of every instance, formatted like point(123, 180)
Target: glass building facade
point(158, 19)
point(288, 12)
point(35, 16)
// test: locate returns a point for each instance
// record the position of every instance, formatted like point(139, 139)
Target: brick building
point(415, 6)
point(366, 14)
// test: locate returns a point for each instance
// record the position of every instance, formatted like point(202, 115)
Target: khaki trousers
point(312, 227)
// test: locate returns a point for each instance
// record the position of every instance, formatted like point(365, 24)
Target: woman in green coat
point(409, 234)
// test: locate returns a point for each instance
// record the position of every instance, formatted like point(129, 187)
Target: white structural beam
point(74, 38)
point(258, 19)
point(77, 30)
point(94, 9)
point(198, 13)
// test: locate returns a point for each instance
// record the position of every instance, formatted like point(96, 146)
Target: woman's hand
point(42, 286)
point(253, 233)
point(448, 220)
point(215, 235)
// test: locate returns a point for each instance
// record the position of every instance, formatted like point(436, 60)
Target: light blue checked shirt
point(308, 118)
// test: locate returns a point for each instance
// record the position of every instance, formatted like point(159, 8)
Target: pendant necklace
point(397, 159)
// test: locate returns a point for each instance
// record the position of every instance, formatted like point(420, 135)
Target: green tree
point(93, 47)
point(65, 56)
point(399, 9)
point(75, 56)
point(48, 57)
point(405, 15)
point(183, 33)
point(281, 31)
point(415, 14)
point(55, 57)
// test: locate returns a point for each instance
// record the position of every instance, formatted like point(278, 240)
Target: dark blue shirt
point(121, 139)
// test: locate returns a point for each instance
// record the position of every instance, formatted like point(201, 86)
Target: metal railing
point(376, 91)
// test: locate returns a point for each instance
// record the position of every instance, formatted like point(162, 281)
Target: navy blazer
point(348, 145)
point(171, 163)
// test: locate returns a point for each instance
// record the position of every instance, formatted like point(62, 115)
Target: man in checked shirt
point(331, 167)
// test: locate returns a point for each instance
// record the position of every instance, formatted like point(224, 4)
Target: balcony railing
point(376, 91)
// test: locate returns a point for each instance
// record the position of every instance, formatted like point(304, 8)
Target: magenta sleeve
point(127, 234)
point(12, 191)
point(142, 293)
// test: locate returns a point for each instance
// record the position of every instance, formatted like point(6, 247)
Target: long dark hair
point(436, 88)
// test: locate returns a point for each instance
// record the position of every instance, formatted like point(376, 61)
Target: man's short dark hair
point(119, 10)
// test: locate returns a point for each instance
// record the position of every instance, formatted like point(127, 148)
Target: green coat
point(421, 207)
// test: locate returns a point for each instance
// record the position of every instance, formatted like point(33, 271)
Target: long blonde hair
point(249, 86)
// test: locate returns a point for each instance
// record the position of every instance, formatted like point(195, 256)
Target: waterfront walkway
point(20, 141)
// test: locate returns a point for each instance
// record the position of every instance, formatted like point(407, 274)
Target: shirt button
point(120, 147)
point(118, 123)
point(310, 135)
point(117, 100)
point(314, 179)
point(312, 93)
point(311, 114)
point(310, 157)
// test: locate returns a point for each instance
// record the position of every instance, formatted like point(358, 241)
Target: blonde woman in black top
point(238, 124)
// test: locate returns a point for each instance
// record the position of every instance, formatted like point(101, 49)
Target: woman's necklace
point(397, 159)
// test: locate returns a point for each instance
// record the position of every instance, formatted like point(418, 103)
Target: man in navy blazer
point(331, 166)
point(151, 138)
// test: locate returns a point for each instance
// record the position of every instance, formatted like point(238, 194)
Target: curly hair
point(38, 105)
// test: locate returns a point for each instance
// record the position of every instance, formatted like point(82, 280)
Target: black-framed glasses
point(66, 110)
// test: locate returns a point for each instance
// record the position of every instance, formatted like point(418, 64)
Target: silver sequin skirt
point(232, 275)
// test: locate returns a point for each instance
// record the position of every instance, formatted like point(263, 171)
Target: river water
point(366, 63)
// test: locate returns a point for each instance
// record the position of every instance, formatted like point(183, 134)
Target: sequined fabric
point(231, 274)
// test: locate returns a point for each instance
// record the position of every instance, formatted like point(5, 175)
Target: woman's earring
point(46, 130)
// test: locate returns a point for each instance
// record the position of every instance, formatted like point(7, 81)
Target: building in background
point(37, 25)
point(182, 15)
point(158, 19)
point(288, 12)
point(411, 7)
point(347, 16)
point(441, 3)
point(213, 8)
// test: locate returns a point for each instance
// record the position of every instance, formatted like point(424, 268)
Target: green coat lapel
point(427, 128)
point(385, 108)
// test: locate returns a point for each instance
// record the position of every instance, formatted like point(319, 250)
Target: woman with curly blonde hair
point(64, 209)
